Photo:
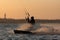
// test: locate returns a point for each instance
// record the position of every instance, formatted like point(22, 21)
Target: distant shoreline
point(24, 21)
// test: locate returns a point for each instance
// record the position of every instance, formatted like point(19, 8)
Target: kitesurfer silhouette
point(32, 21)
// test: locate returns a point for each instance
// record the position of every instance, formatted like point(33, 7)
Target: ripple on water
point(6, 33)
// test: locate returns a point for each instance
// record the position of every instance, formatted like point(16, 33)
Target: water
point(6, 32)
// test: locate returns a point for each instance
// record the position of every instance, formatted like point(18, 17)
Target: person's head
point(32, 17)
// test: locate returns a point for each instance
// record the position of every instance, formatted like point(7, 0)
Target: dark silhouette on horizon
point(32, 20)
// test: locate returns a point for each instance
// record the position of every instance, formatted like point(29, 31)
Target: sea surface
point(7, 32)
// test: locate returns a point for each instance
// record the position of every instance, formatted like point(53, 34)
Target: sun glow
point(41, 9)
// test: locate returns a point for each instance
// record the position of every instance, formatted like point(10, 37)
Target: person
point(32, 21)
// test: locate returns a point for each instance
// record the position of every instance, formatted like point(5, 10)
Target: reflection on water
point(6, 33)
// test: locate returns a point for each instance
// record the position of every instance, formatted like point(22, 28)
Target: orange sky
point(42, 9)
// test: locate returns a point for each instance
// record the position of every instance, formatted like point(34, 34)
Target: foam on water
point(25, 27)
point(6, 33)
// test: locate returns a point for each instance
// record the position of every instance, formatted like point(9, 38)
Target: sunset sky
point(40, 9)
